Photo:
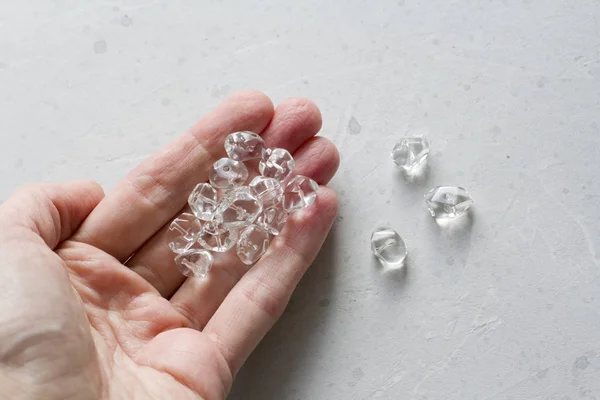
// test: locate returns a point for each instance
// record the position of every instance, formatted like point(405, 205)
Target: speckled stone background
point(506, 307)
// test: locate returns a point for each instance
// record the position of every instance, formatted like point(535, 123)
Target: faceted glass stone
point(195, 263)
point(238, 207)
point(243, 146)
point(411, 153)
point(203, 201)
point(183, 232)
point(276, 163)
point(273, 219)
point(252, 244)
point(215, 237)
point(448, 201)
point(227, 172)
point(300, 192)
point(268, 190)
point(388, 247)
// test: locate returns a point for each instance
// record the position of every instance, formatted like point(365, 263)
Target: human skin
point(92, 305)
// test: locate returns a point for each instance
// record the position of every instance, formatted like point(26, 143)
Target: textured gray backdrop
point(507, 307)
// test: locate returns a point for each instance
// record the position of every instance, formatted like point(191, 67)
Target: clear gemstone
point(273, 219)
point(227, 172)
point(195, 263)
point(238, 207)
point(252, 244)
point(388, 247)
point(300, 192)
point(243, 146)
point(448, 201)
point(276, 163)
point(183, 231)
point(203, 201)
point(268, 190)
point(216, 237)
point(411, 153)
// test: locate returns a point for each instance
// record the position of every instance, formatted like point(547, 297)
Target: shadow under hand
point(291, 345)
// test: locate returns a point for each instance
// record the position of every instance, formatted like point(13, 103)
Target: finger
point(191, 358)
point(153, 192)
point(154, 261)
point(318, 159)
point(257, 301)
point(197, 300)
point(295, 121)
point(52, 211)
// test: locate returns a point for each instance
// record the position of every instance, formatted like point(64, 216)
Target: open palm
point(91, 303)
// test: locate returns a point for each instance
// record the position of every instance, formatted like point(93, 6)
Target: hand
point(91, 303)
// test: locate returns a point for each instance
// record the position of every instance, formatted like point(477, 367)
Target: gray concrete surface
point(507, 307)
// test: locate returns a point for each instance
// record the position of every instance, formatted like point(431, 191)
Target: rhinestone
point(276, 163)
point(203, 201)
point(299, 193)
point(227, 172)
point(183, 231)
point(273, 219)
point(238, 207)
point(214, 236)
point(268, 190)
point(252, 244)
point(411, 153)
point(195, 263)
point(448, 201)
point(388, 247)
point(243, 146)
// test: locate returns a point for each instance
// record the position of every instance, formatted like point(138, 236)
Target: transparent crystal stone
point(388, 247)
point(252, 244)
point(183, 232)
point(276, 163)
point(243, 146)
point(216, 237)
point(300, 192)
point(238, 207)
point(227, 172)
point(411, 153)
point(195, 262)
point(273, 219)
point(448, 201)
point(203, 201)
point(268, 190)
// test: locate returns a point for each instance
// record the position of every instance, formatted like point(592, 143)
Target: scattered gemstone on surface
point(243, 146)
point(252, 244)
point(216, 237)
point(227, 172)
point(276, 163)
point(183, 232)
point(411, 153)
point(299, 193)
point(448, 201)
point(273, 219)
point(388, 247)
point(268, 190)
point(238, 207)
point(203, 201)
point(195, 262)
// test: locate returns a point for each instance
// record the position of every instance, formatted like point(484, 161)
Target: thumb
point(51, 211)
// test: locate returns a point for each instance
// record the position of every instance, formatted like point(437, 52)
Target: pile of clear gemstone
point(226, 214)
